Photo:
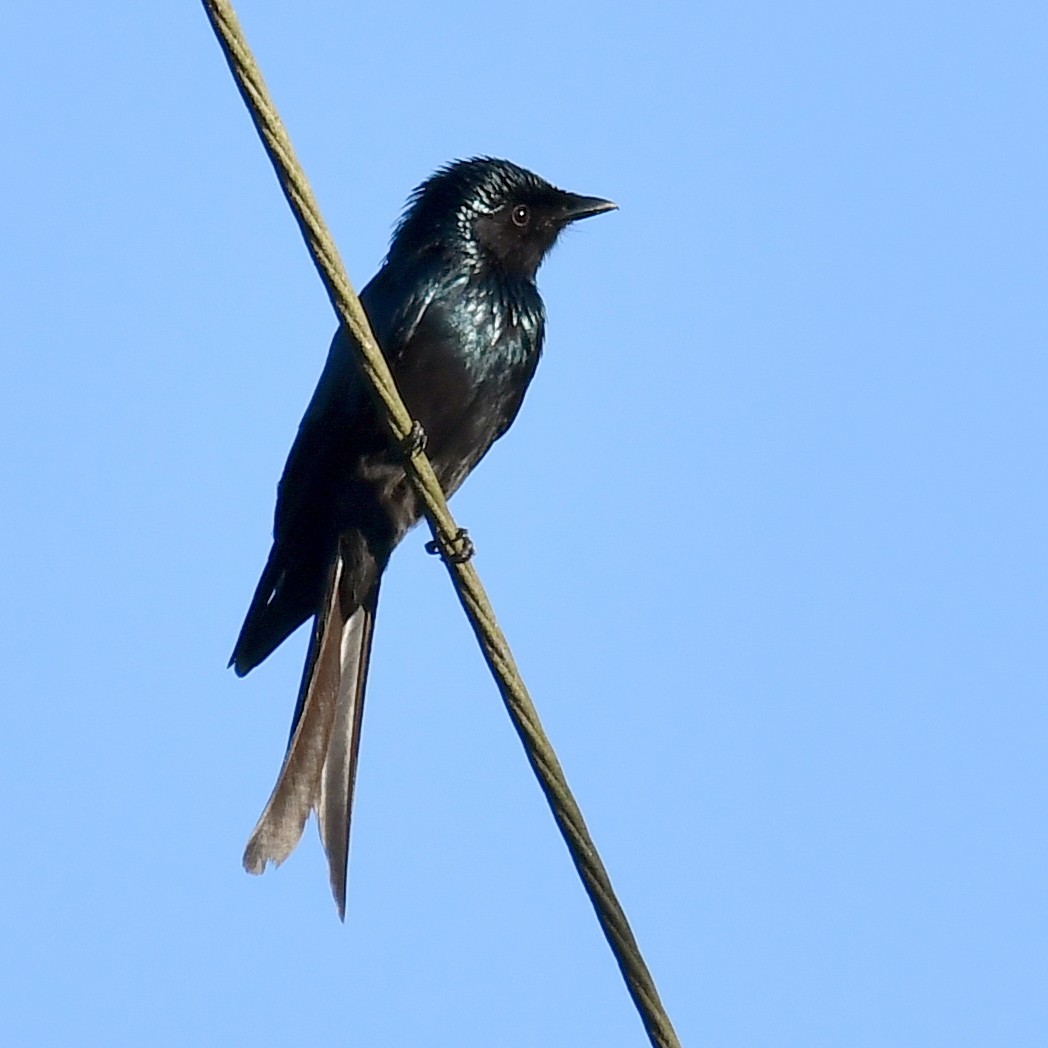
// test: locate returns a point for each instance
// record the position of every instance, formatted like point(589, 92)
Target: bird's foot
point(415, 441)
point(456, 550)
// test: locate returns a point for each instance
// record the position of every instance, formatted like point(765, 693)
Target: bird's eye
point(520, 215)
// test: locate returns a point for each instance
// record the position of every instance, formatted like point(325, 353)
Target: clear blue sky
point(769, 538)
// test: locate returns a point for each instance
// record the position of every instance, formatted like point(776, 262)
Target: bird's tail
point(319, 769)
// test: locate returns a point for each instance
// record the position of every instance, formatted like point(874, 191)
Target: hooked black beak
point(576, 207)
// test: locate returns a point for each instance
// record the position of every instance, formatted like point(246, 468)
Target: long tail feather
point(335, 799)
point(280, 826)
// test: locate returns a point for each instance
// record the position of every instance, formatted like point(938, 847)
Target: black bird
point(459, 319)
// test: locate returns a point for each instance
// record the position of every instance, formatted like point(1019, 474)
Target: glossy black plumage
point(460, 321)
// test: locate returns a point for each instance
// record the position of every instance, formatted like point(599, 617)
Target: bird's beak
point(576, 207)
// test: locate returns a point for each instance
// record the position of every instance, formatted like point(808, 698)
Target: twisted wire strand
point(446, 533)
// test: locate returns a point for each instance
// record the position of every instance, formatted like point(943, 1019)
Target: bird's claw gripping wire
point(415, 442)
point(456, 550)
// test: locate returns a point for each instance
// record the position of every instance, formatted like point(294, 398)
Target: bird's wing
point(261, 632)
point(336, 423)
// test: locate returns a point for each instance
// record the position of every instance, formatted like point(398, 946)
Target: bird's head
point(491, 212)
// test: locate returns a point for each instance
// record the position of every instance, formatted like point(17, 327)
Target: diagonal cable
point(449, 538)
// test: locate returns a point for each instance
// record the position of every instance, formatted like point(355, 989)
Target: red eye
point(520, 215)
